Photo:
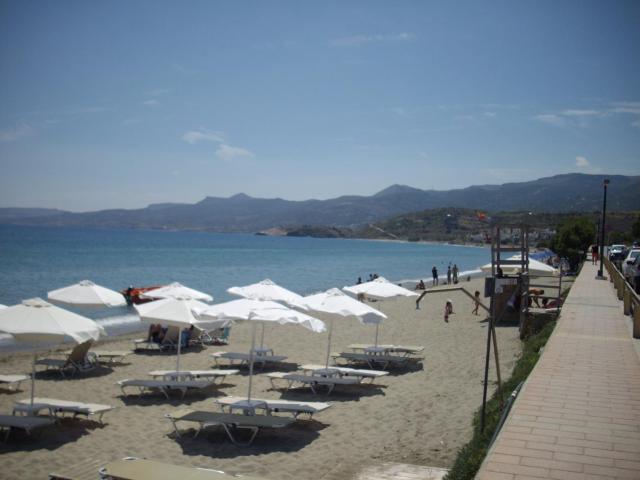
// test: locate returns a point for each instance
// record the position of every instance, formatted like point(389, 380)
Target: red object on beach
point(133, 294)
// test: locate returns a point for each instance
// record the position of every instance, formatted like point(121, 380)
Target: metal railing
point(625, 292)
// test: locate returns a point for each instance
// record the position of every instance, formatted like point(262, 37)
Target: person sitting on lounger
point(185, 336)
point(156, 333)
point(420, 285)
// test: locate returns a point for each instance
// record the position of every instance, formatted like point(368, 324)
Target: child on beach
point(448, 310)
point(476, 302)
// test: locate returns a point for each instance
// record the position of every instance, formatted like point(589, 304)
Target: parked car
point(635, 275)
point(627, 265)
point(617, 252)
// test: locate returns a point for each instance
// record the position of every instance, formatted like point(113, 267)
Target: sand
point(416, 416)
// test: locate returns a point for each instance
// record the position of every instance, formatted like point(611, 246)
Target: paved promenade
point(578, 415)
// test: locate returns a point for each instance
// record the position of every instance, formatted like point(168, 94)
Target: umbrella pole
point(33, 377)
point(179, 347)
point(378, 326)
point(251, 354)
point(329, 344)
point(262, 337)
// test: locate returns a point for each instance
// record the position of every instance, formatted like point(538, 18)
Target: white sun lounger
point(360, 374)
point(28, 424)
point(230, 422)
point(142, 469)
point(406, 349)
point(271, 406)
point(15, 380)
point(311, 381)
point(76, 360)
point(373, 360)
point(244, 358)
point(193, 374)
point(165, 386)
point(55, 407)
point(110, 356)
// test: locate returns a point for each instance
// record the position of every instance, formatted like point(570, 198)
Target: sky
point(122, 104)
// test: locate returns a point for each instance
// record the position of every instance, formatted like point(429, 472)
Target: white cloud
point(151, 103)
point(626, 107)
point(551, 119)
point(12, 134)
point(359, 40)
point(581, 113)
point(202, 135)
point(228, 153)
point(582, 162)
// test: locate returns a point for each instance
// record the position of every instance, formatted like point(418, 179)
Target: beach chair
point(60, 407)
point(77, 360)
point(360, 374)
point(404, 349)
point(270, 406)
point(142, 469)
point(14, 380)
point(219, 336)
point(231, 422)
point(110, 356)
point(28, 424)
point(165, 386)
point(193, 374)
point(311, 381)
point(244, 358)
point(169, 341)
point(383, 361)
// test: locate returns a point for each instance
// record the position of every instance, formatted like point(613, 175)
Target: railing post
point(636, 321)
point(620, 287)
point(626, 302)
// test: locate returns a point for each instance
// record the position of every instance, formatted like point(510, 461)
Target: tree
point(573, 238)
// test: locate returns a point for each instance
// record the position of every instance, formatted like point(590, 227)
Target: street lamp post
point(602, 227)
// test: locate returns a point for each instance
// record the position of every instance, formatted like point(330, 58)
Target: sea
point(35, 260)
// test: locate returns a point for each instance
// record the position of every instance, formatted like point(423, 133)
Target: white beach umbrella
point(338, 304)
point(87, 294)
point(535, 268)
point(2, 306)
point(35, 320)
point(267, 290)
point(176, 312)
point(259, 311)
point(177, 290)
point(380, 288)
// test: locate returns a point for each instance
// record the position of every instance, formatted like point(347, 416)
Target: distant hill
point(242, 213)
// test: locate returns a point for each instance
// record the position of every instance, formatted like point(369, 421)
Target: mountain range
point(241, 213)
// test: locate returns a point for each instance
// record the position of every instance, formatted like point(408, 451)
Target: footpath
point(578, 414)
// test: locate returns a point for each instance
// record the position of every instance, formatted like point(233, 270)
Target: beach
point(418, 416)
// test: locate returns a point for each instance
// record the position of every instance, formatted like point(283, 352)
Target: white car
point(627, 265)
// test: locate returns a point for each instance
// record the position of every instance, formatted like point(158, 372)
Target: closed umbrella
point(259, 311)
point(177, 290)
point(87, 294)
point(175, 312)
point(339, 305)
point(35, 320)
point(380, 288)
point(267, 290)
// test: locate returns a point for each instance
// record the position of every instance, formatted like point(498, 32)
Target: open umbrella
point(535, 268)
point(259, 311)
point(35, 320)
point(176, 312)
point(336, 303)
point(177, 290)
point(380, 288)
point(267, 290)
point(87, 294)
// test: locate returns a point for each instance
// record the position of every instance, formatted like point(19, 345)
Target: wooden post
point(636, 322)
point(627, 300)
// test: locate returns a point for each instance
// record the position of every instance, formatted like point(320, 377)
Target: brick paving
point(578, 414)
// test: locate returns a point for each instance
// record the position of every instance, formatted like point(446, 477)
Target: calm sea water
point(34, 260)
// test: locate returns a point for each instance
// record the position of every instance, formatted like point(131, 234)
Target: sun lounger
point(231, 422)
point(193, 374)
point(169, 341)
point(142, 469)
point(28, 424)
point(311, 381)
point(271, 406)
point(381, 360)
point(77, 360)
point(165, 386)
point(15, 380)
point(110, 356)
point(360, 374)
point(406, 349)
point(244, 358)
point(56, 407)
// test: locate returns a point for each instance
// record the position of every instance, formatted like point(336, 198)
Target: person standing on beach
point(434, 272)
point(455, 273)
point(449, 274)
point(448, 310)
point(476, 301)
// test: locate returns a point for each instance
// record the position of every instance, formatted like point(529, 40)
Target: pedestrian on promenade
point(434, 272)
point(594, 254)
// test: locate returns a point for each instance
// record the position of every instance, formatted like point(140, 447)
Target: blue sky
point(121, 104)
